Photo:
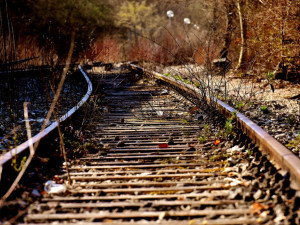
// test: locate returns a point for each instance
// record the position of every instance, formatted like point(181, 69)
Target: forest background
point(262, 36)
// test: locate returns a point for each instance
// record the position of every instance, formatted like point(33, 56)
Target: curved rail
point(25, 145)
point(282, 156)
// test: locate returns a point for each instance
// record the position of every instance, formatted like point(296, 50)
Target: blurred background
point(261, 35)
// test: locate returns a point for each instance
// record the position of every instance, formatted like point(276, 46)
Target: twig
point(32, 151)
point(61, 144)
point(33, 148)
point(60, 85)
point(63, 149)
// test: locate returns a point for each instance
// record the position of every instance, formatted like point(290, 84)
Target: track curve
point(144, 164)
point(25, 146)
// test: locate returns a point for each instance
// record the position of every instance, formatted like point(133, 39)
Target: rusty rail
point(276, 152)
point(25, 145)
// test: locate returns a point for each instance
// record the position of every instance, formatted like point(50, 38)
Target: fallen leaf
point(192, 222)
point(257, 207)
point(163, 145)
point(217, 142)
point(180, 198)
point(193, 109)
point(44, 193)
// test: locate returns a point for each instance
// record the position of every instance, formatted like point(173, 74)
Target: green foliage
point(206, 131)
point(228, 127)
point(139, 17)
point(228, 124)
point(270, 76)
point(55, 20)
point(295, 143)
point(233, 115)
point(69, 14)
point(178, 77)
point(187, 81)
point(264, 109)
point(184, 121)
point(249, 151)
point(239, 105)
point(202, 138)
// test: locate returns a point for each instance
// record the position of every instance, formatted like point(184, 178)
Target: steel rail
point(276, 152)
point(25, 145)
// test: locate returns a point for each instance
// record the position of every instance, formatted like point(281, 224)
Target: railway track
point(150, 166)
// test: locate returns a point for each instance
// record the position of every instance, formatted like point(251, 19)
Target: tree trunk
point(241, 57)
point(229, 7)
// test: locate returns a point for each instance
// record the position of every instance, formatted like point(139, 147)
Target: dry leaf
point(217, 142)
point(163, 145)
point(257, 207)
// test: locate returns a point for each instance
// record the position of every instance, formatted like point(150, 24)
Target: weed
point(249, 151)
point(184, 121)
point(295, 143)
point(179, 78)
point(229, 125)
point(264, 109)
point(215, 158)
point(239, 105)
point(291, 119)
point(270, 77)
point(187, 81)
point(250, 104)
point(202, 138)
point(206, 129)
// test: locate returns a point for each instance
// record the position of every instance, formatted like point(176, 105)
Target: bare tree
point(230, 14)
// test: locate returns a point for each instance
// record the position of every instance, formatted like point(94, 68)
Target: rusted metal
point(276, 152)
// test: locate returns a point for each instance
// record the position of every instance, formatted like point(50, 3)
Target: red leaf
point(193, 109)
point(217, 142)
point(44, 193)
point(56, 178)
point(163, 145)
